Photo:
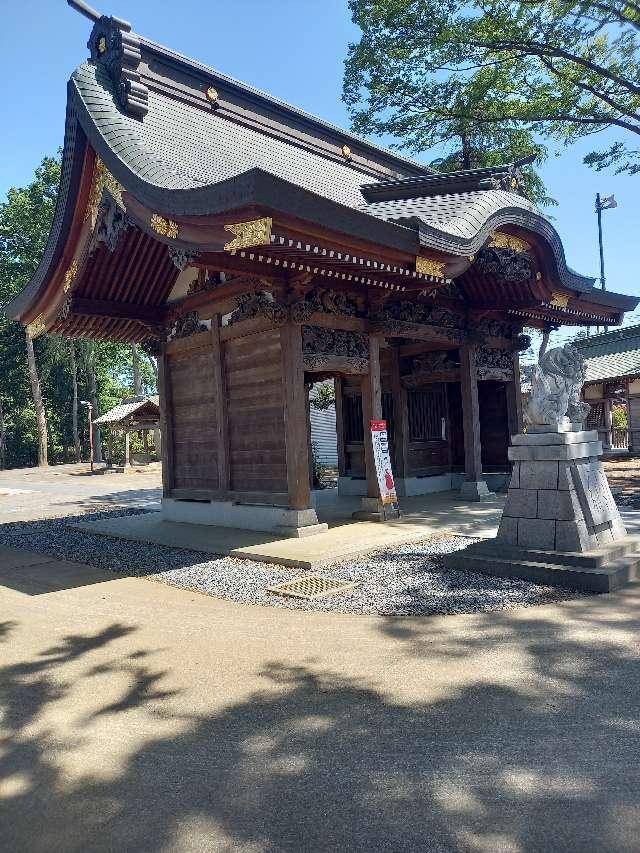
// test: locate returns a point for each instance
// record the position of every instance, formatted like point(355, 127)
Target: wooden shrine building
point(612, 361)
point(257, 250)
point(132, 415)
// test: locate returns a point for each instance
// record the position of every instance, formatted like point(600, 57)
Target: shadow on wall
point(319, 762)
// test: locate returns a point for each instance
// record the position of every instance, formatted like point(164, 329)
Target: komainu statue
point(556, 384)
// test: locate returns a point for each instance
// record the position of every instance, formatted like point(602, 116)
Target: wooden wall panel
point(193, 416)
point(255, 411)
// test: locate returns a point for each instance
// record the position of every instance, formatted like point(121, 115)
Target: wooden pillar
point(127, 449)
point(220, 394)
point(110, 448)
point(371, 411)
point(474, 487)
point(400, 419)
point(166, 426)
point(514, 399)
point(340, 434)
point(608, 421)
point(295, 417)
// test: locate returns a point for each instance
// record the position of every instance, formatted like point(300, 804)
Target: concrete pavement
point(139, 717)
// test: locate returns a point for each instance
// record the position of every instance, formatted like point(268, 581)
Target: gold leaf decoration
point(69, 276)
point(102, 179)
point(164, 227)
point(500, 240)
point(427, 266)
point(257, 232)
point(559, 300)
point(36, 327)
point(212, 95)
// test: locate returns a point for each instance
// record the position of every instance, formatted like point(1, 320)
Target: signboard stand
point(384, 474)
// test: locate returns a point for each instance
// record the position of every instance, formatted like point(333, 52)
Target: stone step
point(605, 578)
point(586, 559)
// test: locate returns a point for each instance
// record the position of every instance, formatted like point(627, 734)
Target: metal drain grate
point(312, 586)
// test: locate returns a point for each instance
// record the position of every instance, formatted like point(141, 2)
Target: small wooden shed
point(133, 414)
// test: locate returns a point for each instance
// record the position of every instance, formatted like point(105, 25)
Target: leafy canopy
point(485, 79)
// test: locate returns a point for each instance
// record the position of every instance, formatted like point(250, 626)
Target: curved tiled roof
point(611, 354)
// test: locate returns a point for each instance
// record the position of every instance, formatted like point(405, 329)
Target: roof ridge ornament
point(116, 49)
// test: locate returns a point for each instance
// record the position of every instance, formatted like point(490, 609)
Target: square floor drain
point(312, 586)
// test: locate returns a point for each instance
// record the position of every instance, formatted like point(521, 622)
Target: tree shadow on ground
point(317, 761)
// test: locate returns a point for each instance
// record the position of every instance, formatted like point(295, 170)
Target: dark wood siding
point(255, 411)
point(193, 418)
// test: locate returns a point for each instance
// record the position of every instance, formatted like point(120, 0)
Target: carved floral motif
point(494, 364)
point(425, 365)
point(187, 325)
point(112, 222)
point(505, 265)
point(260, 304)
point(182, 258)
point(323, 301)
point(335, 349)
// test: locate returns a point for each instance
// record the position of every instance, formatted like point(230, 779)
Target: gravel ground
point(406, 580)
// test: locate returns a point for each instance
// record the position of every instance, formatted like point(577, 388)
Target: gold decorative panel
point(257, 232)
point(36, 327)
point(164, 227)
point(102, 179)
point(427, 266)
point(559, 300)
point(508, 241)
point(69, 276)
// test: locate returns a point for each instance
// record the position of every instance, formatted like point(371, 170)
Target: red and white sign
point(380, 442)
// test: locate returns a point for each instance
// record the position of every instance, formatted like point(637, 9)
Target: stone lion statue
point(556, 384)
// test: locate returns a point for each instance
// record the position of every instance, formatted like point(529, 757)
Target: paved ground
point(60, 490)
point(140, 717)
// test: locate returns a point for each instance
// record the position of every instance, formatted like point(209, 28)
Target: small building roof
point(129, 407)
point(611, 355)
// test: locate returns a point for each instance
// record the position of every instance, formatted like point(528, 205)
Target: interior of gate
point(422, 404)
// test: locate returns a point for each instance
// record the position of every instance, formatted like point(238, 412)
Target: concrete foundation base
point(272, 519)
point(601, 570)
point(476, 490)
point(405, 486)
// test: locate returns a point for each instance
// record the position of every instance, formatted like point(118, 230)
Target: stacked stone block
point(559, 498)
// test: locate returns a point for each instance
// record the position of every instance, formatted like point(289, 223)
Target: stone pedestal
point(560, 523)
point(476, 490)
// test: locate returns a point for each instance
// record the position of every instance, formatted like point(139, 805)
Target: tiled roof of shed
point(611, 354)
point(126, 408)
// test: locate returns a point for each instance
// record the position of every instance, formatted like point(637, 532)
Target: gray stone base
point(604, 569)
point(476, 490)
point(272, 519)
point(372, 510)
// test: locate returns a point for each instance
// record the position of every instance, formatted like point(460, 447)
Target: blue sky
point(291, 49)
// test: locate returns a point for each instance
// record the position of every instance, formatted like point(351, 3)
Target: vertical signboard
point(382, 459)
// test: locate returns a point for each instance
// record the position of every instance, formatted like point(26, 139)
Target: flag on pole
point(608, 202)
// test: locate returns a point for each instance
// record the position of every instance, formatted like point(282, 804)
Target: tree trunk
point(74, 409)
point(36, 390)
point(93, 397)
point(154, 366)
point(3, 439)
point(137, 380)
point(466, 151)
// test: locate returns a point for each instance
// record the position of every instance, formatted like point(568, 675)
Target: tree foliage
point(25, 219)
point(487, 78)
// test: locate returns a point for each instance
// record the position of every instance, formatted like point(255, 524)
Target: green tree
point(486, 79)
point(39, 419)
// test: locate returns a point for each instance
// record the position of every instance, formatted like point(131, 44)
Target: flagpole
point(599, 212)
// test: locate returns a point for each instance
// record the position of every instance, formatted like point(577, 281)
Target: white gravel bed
point(403, 580)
